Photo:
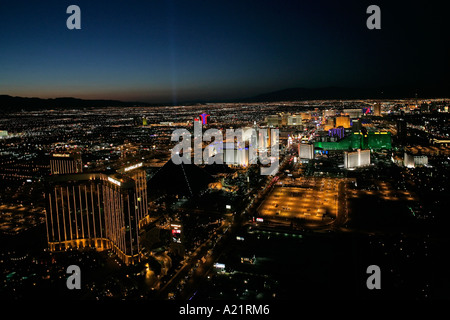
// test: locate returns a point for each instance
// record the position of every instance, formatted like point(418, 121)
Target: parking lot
point(310, 198)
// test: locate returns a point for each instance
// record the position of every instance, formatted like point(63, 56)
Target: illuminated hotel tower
point(121, 215)
point(97, 210)
point(66, 162)
point(138, 174)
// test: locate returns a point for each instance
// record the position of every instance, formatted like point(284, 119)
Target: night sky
point(180, 50)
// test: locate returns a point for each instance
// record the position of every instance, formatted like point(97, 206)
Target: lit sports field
point(311, 198)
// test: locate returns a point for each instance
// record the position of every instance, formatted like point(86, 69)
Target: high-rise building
point(294, 120)
point(329, 124)
point(408, 160)
point(329, 113)
point(139, 176)
point(306, 151)
point(356, 125)
point(377, 109)
point(305, 116)
point(273, 121)
point(103, 211)
point(284, 118)
point(353, 113)
point(264, 139)
point(412, 161)
point(337, 132)
point(420, 160)
point(343, 122)
point(75, 211)
point(356, 159)
point(402, 130)
point(236, 157)
point(66, 162)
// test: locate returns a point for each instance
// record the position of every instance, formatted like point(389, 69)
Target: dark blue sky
point(181, 50)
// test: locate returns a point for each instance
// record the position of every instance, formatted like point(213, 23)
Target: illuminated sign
point(114, 181)
point(61, 155)
point(137, 165)
point(176, 233)
point(259, 219)
point(204, 117)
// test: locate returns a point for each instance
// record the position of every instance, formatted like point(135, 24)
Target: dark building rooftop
point(183, 179)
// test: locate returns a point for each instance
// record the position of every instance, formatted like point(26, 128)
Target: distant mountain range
point(394, 92)
point(12, 104)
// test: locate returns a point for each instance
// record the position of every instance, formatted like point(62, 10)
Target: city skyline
point(178, 51)
point(96, 188)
